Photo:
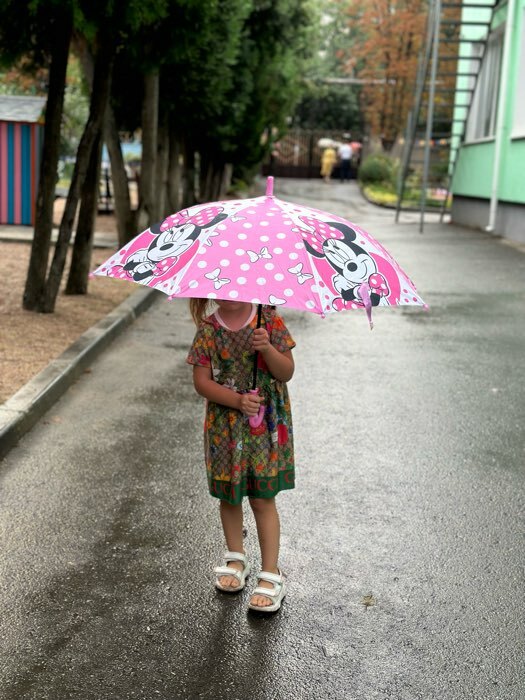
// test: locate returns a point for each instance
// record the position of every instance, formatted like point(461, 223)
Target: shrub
point(375, 168)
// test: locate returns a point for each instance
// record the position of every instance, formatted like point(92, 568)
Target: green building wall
point(474, 168)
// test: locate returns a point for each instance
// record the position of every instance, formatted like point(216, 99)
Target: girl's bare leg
point(231, 518)
point(268, 531)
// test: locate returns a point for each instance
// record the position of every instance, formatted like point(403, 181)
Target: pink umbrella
point(265, 251)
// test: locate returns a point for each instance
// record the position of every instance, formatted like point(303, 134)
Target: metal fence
point(297, 154)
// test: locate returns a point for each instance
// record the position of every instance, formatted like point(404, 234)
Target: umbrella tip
point(269, 186)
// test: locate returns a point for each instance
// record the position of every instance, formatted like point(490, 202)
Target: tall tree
point(109, 24)
point(331, 107)
point(40, 32)
point(384, 43)
point(281, 36)
point(99, 100)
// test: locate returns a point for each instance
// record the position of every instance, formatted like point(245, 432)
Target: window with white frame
point(482, 117)
point(518, 125)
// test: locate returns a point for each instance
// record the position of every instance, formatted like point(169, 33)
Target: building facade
point(489, 180)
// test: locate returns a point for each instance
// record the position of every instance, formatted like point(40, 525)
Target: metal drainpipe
point(430, 114)
point(500, 122)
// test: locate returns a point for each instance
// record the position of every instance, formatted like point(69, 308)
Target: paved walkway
point(402, 543)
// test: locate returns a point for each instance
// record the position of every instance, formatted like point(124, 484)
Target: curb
point(25, 408)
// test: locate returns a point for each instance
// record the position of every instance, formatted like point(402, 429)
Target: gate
point(297, 154)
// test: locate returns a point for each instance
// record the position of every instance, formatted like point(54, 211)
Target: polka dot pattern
point(262, 250)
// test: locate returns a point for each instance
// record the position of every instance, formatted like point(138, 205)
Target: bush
point(376, 168)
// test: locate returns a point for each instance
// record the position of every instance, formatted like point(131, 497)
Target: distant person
point(345, 153)
point(328, 160)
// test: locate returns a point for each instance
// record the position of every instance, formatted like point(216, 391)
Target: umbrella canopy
point(265, 251)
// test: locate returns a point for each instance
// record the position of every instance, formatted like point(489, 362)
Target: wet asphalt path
point(403, 541)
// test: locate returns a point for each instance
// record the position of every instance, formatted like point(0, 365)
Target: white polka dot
point(299, 245)
point(310, 305)
point(314, 289)
point(287, 222)
point(193, 284)
point(224, 244)
point(222, 227)
point(269, 266)
point(202, 263)
point(281, 235)
point(288, 292)
point(241, 280)
point(261, 280)
point(247, 225)
point(264, 223)
point(264, 239)
point(256, 301)
point(279, 277)
point(233, 294)
point(202, 250)
point(212, 295)
point(225, 263)
point(240, 251)
point(293, 256)
point(245, 266)
point(277, 251)
point(242, 236)
point(270, 214)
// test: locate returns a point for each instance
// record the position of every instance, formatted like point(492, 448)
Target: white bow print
point(257, 256)
point(302, 277)
point(215, 277)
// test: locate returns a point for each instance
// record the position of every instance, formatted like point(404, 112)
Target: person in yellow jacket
point(328, 160)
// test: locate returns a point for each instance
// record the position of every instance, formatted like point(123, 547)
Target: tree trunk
point(36, 274)
point(161, 168)
point(227, 172)
point(99, 101)
point(123, 212)
point(77, 282)
point(205, 177)
point(174, 173)
point(218, 170)
point(145, 214)
point(188, 193)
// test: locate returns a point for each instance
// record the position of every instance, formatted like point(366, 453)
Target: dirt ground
point(28, 340)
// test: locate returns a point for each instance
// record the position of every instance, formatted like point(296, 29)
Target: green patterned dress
point(240, 460)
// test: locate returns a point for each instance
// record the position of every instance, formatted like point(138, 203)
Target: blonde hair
point(199, 309)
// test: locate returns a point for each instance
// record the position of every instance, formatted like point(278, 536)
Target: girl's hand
point(249, 404)
point(261, 340)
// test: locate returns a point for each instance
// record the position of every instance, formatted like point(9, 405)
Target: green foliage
point(279, 41)
point(376, 168)
point(331, 107)
point(76, 108)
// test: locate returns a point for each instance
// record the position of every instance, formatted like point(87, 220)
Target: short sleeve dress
point(240, 460)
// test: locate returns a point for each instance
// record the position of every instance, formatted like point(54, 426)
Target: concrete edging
point(25, 408)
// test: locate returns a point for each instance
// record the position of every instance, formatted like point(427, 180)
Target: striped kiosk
point(21, 135)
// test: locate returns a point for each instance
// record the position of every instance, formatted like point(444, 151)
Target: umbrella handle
point(255, 421)
point(364, 293)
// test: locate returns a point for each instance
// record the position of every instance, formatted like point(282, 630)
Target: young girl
point(241, 460)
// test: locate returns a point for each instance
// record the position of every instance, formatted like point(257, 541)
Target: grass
point(385, 195)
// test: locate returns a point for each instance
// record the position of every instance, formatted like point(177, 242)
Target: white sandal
point(276, 593)
point(226, 570)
